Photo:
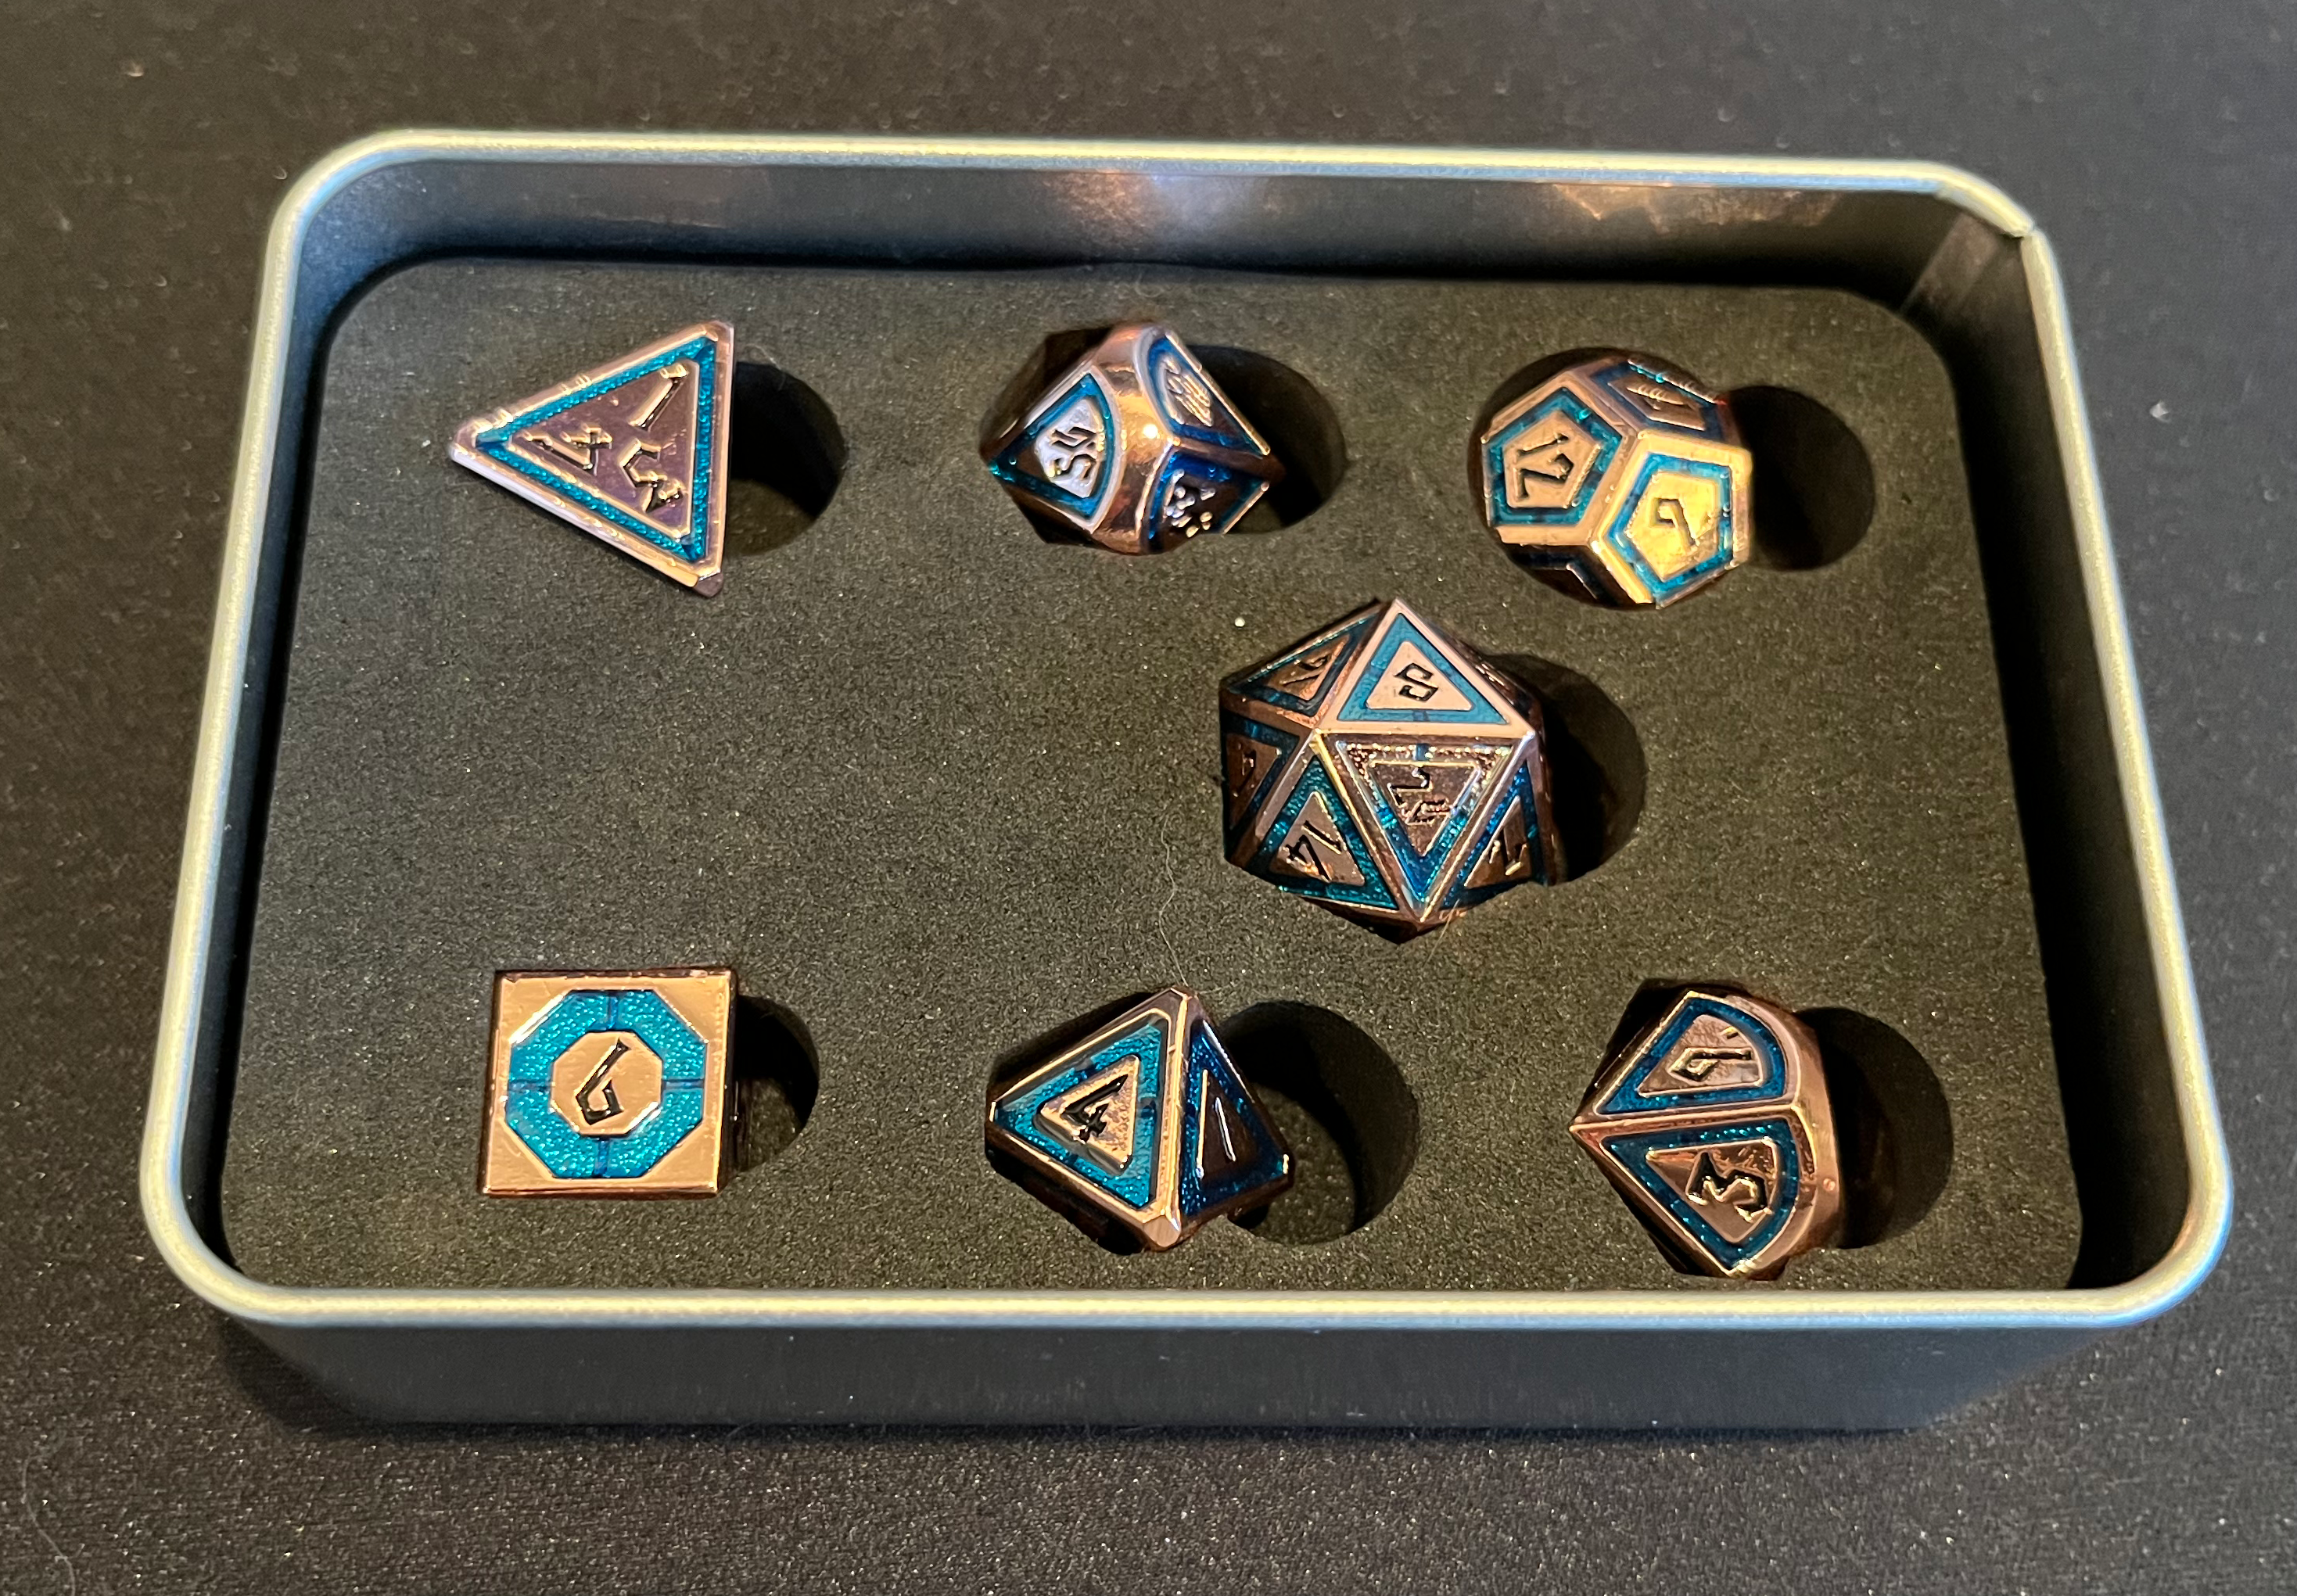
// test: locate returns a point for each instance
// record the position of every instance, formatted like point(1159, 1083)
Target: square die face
point(608, 1083)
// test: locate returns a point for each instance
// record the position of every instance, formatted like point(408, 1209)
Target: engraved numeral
point(1089, 1114)
point(1741, 1189)
point(1187, 506)
point(652, 487)
point(1416, 682)
point(578, 449)
point(1659, 395)
point(674, 378)
point(1671, 514)
point(596, 1099)
point(1073, 454)
point(1305, 849)
point(1698, 1062)
point(1536, 461)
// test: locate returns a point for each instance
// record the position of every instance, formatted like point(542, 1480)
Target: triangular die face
point(1195, 499)
point(1411, 679)
point(1708, 1052)
point(1067, 455)
point(1085, 1113)
point(1314, 849)
point(1252, 757)
point(1228, 1151)
point(1664, 397)
point(1422, 795)
point(1190, 402)
point(1299, 680)
point(630, 452)
point(1509, 851)
point(1731, 1189)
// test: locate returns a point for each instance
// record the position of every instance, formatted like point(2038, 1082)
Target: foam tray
point(934, 784)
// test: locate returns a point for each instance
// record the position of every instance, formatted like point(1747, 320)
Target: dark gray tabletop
point(150, 1446)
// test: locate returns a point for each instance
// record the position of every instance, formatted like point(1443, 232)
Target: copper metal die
point(608, 1083)
point(1382, 768)
point(1715, 1124)
point(1620, 479)
point(633, 452)
point(1143, 1132)
point(1135, 447)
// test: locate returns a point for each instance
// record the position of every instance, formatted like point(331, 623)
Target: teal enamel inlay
point(1209, 1070)
point(1633, 1096)
point(1480, 710)
point(1136, 1184)
point(565, 1151)
point(1519, 792)
point(1633, 1152)
point(494, 444)
point(1348, 639)
point(1007, 466)
point(1280, 743)
point(1726, 532)
point(1565, 403)
point(1164, 357)
point(1372, 893)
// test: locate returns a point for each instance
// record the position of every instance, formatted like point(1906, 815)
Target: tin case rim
point(300, 288)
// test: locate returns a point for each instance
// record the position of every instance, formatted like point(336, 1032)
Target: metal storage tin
point(1953, 255)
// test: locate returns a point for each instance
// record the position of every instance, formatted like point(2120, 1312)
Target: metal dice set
point(1380, 768)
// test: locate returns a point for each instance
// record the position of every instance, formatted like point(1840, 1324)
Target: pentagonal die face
point(1136, 447)
point(1384, 770)
point(1716, 1126)
point(1620, 479)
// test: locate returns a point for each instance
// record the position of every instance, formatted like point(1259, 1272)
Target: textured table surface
point(149, 1446)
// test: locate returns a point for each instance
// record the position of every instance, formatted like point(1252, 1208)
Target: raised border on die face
point(694, 1167)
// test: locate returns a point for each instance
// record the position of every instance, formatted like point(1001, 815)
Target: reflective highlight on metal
point(1142, 1131)
point(633, 451)
point(1383, 769)
point(1715, 1125)
point(1621, 479)
point(608, 1084)
point(1136, 447)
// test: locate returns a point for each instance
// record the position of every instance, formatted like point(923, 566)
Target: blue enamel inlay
point(1256, 685)
point(1007, 466)
point(1210, 1069)
point(1282, 742)
point(1629, 1097)
point(1518, 792)
point(1372, 894)
point(567, 1152)
point(1480, 711)
point(495, 443)
point(1725, 533)
point(1136, 1184)
point(1710, 415)
point(1419, 869)
point(1565, 403)
point(1632, 1153)
point(1162, 356)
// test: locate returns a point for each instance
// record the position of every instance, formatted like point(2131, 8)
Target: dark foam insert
point(934, 786)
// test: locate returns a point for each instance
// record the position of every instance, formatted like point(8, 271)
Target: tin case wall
point(1954, 258)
